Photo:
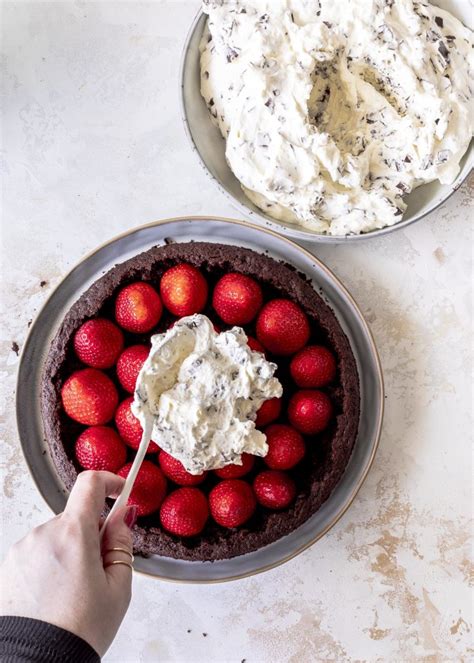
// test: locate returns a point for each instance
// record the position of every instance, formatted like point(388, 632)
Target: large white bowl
point(209, 146)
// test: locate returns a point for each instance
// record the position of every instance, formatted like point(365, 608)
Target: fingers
point(117, 547)
point(118, 532)
point(87, 498)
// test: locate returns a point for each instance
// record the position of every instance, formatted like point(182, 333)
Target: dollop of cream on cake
point(334, 110)
point(202, 390)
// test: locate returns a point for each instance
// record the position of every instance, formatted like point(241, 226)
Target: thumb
point(117, 546)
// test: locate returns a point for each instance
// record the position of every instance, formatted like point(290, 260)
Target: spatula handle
point(122, 499)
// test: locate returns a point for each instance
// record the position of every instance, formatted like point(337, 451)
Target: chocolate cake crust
point(327, 454)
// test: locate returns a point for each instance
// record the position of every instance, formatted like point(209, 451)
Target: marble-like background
point(93, 145)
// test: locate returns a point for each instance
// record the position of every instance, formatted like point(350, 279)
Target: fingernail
point(130, 517)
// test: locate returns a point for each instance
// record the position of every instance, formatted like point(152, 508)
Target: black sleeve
point(24, 640)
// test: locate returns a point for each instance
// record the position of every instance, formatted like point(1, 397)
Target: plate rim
point(328, 272)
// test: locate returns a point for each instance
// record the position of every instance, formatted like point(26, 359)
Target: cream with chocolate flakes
point(202, 390)
point(334, 111)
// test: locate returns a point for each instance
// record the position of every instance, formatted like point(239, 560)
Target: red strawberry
point(129, 365)
point(285, 447)
point(237, 299)
point(275, 490)
point(98, 343)
point(310, 411)
point(138, 307)
point(184, 512)
point(129, 426)
point(184, 290)
point(175, 471)
point(149, 489)
point(100, 448)
point(232, 502)
point(255, 345)
point(235, 471)
point(282, 327)
point(89, 397)
point(314, 366)
point(268, 412)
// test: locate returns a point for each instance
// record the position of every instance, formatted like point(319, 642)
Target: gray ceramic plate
point(209, 146)
point(225, 231)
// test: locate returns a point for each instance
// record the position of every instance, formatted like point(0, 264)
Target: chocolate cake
point(327, 454)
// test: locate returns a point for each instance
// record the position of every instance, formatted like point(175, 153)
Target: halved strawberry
point(232, 502)
point(313, 366)
point(138, 307)
point(100, 448)
point(98, 343)
point(285, 447)
point(274, 490)
point(234, 471)
point(184, 512)
point(149, 489)
point(237, 299)
point(184, 290)
point(268, 412)
point(89, 397)
point(310, 411)
point(255, 345)
point(175, 471)
point(129, 365)
point(282, 327)
point(129, 426)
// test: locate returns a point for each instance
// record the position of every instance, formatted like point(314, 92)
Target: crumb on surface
point(43, 283)
point(15, 348)
point(204, 635)
point(440, 255)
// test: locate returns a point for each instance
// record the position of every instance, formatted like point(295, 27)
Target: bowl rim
point(377, 365)
point(273, 224)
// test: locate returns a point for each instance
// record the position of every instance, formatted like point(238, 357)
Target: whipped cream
point(334, 110)
point(200, 391)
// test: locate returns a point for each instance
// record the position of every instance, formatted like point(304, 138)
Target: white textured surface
point(93, 145)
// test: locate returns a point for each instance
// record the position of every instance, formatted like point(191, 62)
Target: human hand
point(57, 574)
